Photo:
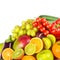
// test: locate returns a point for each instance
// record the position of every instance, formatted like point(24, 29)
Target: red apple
point(21, 42)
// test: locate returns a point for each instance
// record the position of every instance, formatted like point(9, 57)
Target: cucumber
point(49, 18)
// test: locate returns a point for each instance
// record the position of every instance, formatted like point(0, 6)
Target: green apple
point(45, 55)
point(47, 42)
point(52, 38)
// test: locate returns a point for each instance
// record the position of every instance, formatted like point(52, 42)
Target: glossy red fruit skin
point(35, 24)
point(39, 26)
point(24, 40)
point(38, 19)
point(58, 21)
point(43, 20)
point(46, 32)
point(48, 26)
point(45, 23)
point(55, 30)
point(42, 29)
point(42, 24)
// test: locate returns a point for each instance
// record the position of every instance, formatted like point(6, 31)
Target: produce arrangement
point(34, 39)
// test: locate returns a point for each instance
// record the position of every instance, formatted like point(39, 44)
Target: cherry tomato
point(52, 31)
point(45, 23)
point(35, 24)
point(42, 29)
point(38, 19)
point(39, 26)
point(48, 26)
point(46, 32)
point(43, 20)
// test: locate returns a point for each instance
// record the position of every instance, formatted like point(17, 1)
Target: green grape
point(31, 26)
point(23, 27)
point(23, 22)
point(28, 26)
point(33, 33)
point(13, 38)
point(30, 20)
point(24, 31)
point(16, 29)
point(28, 32)
point(21, 32)
point(35, 29)
point(15, 35)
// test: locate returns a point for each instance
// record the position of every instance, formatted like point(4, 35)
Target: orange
point(27, 57)
point(56, 49)
point(7, 54)
point(38, 42)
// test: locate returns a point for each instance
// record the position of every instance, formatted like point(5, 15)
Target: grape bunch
point(15, 32)
point(26, 28)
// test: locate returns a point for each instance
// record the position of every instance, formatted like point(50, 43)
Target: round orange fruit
point(38, 42)
point(56, 49)
point(7, 54)
point(27, 57)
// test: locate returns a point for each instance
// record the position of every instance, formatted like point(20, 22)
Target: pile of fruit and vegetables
point(34, 39)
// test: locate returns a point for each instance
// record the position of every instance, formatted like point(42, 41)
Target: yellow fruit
point(38, 42)
point(26, 57)
point(7, 54)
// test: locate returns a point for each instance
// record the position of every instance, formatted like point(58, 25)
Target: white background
point(12, 12)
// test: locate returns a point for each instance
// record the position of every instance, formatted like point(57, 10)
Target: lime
point(30, 49)
point(52, 38)
point(47, 43)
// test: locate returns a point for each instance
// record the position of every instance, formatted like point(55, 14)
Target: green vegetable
point(49, 18)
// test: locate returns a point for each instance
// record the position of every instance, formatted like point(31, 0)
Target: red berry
point(35, 24)
point(42, 29)
point(48, 26)
point(38, 19)
point(45, 23)
point(39, 26)
point(43, 20)
point(53, 31)
point(46, 32)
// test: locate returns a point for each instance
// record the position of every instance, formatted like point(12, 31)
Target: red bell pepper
point(55, 28)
